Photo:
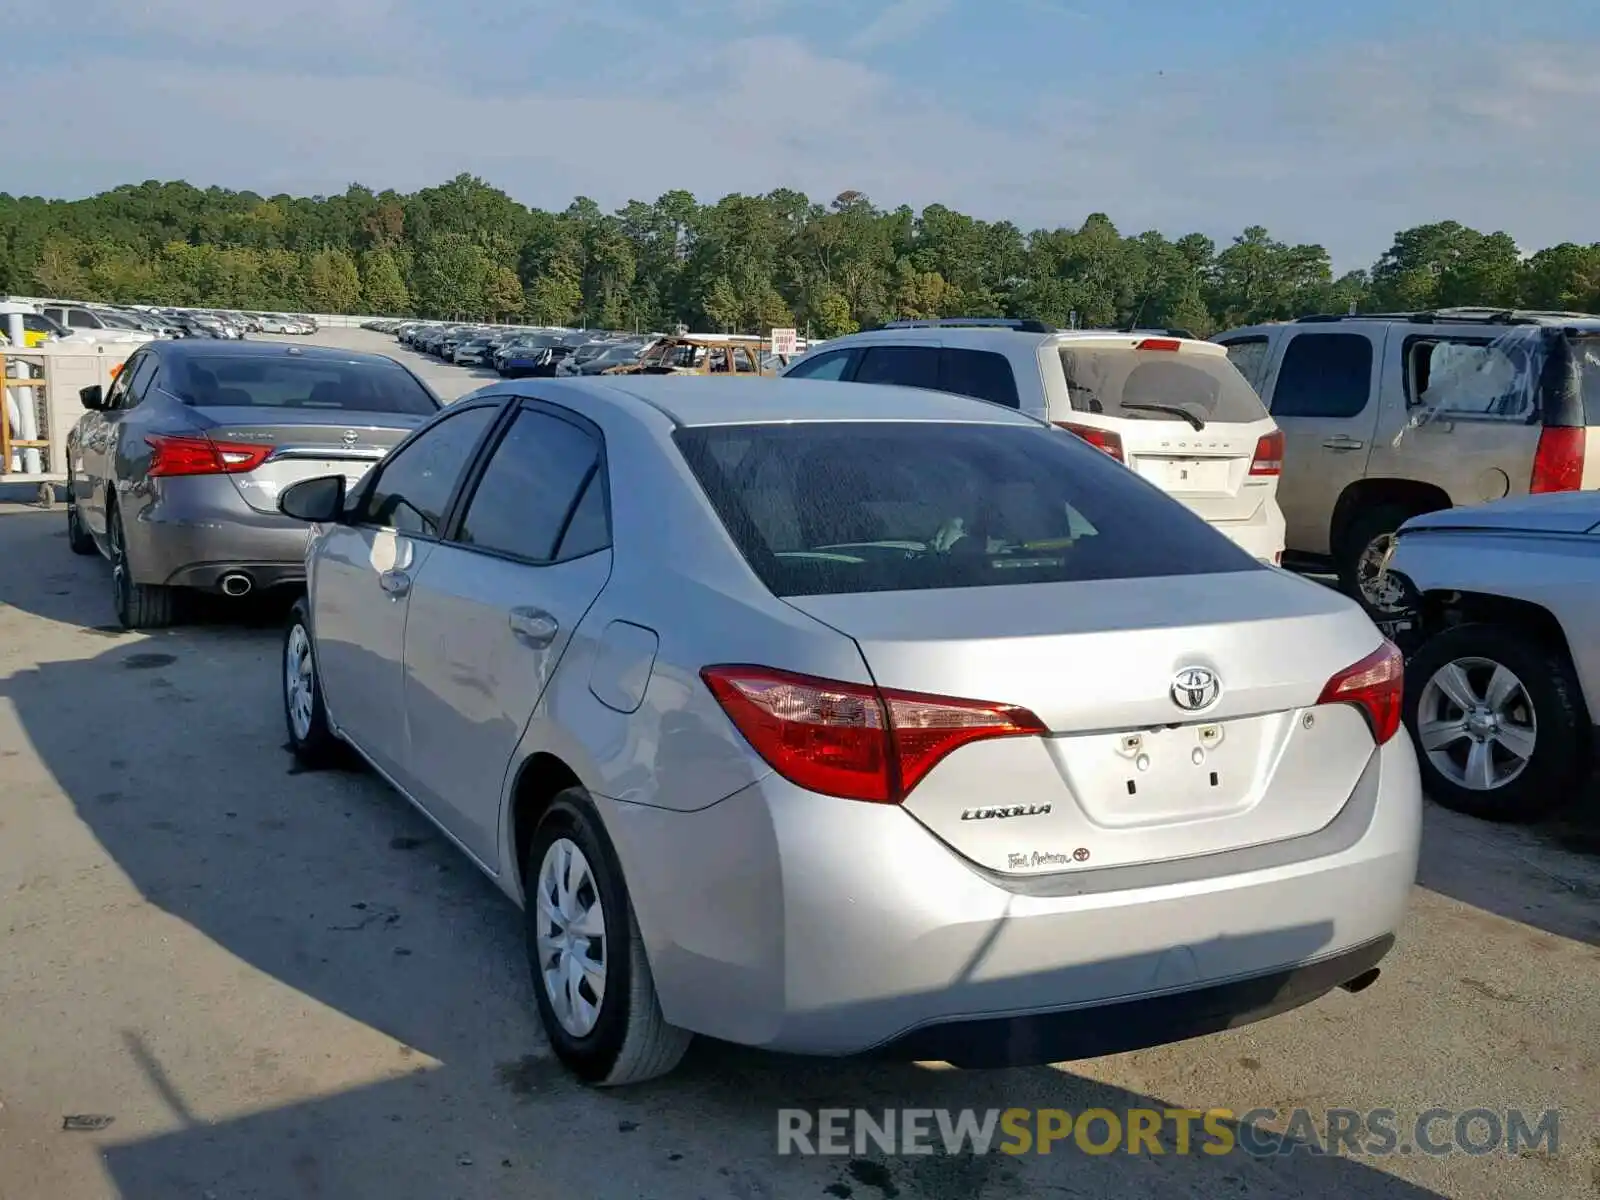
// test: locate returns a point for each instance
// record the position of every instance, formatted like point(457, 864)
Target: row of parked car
point(56, 320)
point(519, 351)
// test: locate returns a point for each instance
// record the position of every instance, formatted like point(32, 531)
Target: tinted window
point(258, 381)
point(413, 488)
point(77, 318)
point(1323, 375)
point(144, 369)
point(823, 366)
point(590, 527)
point(1249, 357)
point(981, 374)
point(530, 487)
point(1149, 384)
point(824, 507)
point(908, 366)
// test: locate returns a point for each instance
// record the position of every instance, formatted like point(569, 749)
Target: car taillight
point(170, 455)
point(1268, 458)
point(1375, 685)
point(1100, 439)
point(854, 740)
point(1558, 462)
point(1158, 344)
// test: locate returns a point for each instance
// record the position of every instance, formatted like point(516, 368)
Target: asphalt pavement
point(224, 977)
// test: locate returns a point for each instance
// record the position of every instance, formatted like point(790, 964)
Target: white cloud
point(1342, 148)
point(898, 21)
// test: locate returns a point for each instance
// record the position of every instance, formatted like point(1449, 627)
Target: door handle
point(533, 626)
point(1343, 442)
point(396, 583)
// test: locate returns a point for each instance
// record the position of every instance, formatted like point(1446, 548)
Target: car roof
point(755, 399)
point(188, 349)
point(998, 336)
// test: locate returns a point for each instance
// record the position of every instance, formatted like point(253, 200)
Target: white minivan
point(1168, 406)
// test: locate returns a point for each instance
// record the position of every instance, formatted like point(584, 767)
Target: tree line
point(745, 263)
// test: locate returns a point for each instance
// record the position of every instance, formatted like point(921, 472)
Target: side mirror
point(93, 397)
point(319, 500)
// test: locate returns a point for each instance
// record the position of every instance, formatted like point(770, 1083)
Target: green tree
point(383, 290)
point(451, 276)
point(502, 292)
point(333, 285)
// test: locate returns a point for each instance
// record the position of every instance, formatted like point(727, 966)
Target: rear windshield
point(1148, 384)
point(255, 382)
point(835, 507)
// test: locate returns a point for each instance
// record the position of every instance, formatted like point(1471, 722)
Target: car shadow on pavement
point(330, 887)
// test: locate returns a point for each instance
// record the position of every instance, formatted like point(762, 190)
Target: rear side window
point(821, 508)
point(833, 365)
point(256, 381)
point(1249, 356)
point(1323, 375)
point(981, 374)
point(531, 487)
point(1150, 384)
point(907, 366)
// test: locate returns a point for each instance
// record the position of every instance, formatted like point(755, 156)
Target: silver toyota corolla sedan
point(175, 470)
point(855, 719)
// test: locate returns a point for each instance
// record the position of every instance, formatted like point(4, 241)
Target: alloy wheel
point(1476, 723)
point(571, 937)
point(1380, 592)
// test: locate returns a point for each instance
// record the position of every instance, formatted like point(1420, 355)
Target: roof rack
point(1021, 326)
point(1444, 316)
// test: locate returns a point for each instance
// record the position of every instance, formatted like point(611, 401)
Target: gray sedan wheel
point(311, 739)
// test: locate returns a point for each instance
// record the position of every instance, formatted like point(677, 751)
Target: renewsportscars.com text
point(1262, 1132)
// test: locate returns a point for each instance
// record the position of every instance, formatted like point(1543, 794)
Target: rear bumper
point(1262, 536)
point(201, 529)
point(835, 927)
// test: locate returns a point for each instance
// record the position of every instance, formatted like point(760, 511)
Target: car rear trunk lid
point(1126, 774)
point(306, 444)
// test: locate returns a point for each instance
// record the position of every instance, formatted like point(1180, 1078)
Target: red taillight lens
point(1375, 685)
point(1558, 462)
point(1158, 344)
point(851, 739)
point(1100, 439)
point(1268, 459)
point(171, 455)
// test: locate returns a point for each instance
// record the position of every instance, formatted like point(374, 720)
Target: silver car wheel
point(299, 681)
point(1476, 723)
point(571, 937)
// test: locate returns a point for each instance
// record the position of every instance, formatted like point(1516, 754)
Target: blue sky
point(1337, 123)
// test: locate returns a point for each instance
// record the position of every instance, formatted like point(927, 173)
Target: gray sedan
point(930, 731)
point(175, 470)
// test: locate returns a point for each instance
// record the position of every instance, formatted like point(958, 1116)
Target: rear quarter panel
point(1559, 574)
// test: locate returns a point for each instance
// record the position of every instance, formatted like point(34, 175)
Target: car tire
point(311, 738)
point(1366, 537)
point(1546, 700)
point(138, 605)
point(625, 1039)
point(79, 539)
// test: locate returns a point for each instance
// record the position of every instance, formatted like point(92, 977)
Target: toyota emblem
point(1195, 689)
point(350, 437)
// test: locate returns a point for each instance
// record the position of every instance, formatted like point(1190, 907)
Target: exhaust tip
point(1362, 981)
point(236, 583)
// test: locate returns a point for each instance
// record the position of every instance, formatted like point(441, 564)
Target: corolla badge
point(1195, 689)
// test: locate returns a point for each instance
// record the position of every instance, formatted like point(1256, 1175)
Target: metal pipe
point(236, 583)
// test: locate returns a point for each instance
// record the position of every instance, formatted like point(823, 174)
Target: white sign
point(785, 342)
